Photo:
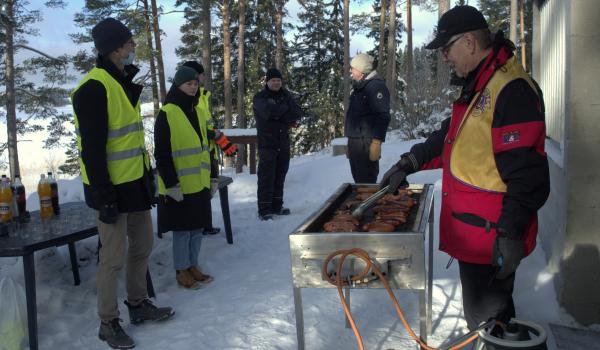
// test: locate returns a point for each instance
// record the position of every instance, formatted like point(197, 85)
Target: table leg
point(29, 271)
point(149, 285)
point(224, 196)
point(299, 317)
point(252, 158)
point(74, 266)
point(430, 270)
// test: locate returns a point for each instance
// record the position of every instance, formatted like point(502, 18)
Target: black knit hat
point(109, 35)
point(458, 20)
point(184, 74)
point(273, 73)
point(194, 65)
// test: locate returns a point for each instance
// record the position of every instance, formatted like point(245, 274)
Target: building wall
point(570, 220)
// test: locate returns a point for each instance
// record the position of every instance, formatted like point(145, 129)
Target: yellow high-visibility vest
point(190, 154)
point(206, 120)
point(125, 149)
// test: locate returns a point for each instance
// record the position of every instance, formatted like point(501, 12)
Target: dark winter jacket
point(517, 143)
point(194, 212)
point(369, 109)
point(90, 105)
point(274, 111)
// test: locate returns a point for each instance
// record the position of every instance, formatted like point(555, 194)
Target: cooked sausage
point(345, 217)
point(340, 226)
point(378, 226)
point(367, 189)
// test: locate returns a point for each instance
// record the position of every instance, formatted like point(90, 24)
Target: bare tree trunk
point(279, 32)
point(380, 65)
point(11, 103)
point(409, 46)
point(523, 42)
point(513, 20)
point(206, 44)
point(241, 157)
point(346, 68)
point(226, 64)
point(391, 56)
point(159, 59)
point(155, 98)
point(443, 72)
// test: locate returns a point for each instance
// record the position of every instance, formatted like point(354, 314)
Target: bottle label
point(5, 208)
point(46, 202)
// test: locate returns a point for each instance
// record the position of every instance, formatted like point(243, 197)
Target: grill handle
point(369, 202)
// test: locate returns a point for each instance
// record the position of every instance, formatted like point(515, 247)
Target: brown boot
point(199, 276)
point(186, 280)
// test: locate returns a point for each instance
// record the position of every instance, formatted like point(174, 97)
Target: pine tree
point(36, 101)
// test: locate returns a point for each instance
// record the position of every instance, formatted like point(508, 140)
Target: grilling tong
point(369, 202)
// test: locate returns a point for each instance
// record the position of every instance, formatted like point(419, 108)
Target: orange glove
point(375, 150)
point(225, 145)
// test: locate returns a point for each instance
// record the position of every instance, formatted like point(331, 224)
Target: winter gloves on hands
point(224, 144)
point(175, 193)
point(507, 253)
point(375, 150)
point(108, 213)
point(395, 177)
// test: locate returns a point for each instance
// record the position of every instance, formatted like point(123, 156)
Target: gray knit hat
point(184, 74)
point(363, 63)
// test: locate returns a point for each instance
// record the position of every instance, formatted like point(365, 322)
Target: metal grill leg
point(422, 316)
point(347, 295)
point(299, 317)
point(430, 269)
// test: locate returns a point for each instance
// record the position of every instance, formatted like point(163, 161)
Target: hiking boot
point(265, 217)
point(186, 280)
point(199, 276)
point(211, 231)
point(281, 211)
point(112, 333)
point(146, 311)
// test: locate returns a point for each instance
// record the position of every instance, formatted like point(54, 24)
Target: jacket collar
point(179, 98)
point(125, 76)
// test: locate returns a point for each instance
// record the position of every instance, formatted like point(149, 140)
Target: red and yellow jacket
point(495, 171)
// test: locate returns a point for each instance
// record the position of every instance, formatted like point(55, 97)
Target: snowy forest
point(237, 41)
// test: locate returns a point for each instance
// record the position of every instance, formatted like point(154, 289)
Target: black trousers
point(484, 296)
point(273, 165)
point(363, 169)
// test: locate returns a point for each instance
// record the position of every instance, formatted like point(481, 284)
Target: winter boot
point(146, 311)
point(112, 333)
point(199, 276)
point(281, 211)
point(211, 231)
point(265, 216)
point(186, 280)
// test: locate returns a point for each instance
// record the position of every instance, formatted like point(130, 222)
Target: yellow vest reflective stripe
point(125, 148)
point(472, 160)
point(190, 154)
point(206, 120)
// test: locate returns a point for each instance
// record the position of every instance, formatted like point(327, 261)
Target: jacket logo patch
point(379, 95)
point(483, 103)
point(510, 137)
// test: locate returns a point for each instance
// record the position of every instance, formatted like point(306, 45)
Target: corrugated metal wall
point(553, 56)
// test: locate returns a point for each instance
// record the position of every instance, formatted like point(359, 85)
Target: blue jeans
point(186, 247)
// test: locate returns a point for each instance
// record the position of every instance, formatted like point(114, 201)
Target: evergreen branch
point(40, 52)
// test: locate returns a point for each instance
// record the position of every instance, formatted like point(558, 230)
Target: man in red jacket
point(495, 171)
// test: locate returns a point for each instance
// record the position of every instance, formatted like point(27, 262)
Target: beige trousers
point(130, 237)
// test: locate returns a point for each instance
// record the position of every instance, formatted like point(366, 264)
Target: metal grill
point(399, 254)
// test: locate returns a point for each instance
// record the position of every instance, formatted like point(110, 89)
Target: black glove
point(395, 177)
point(109, 213)
point(507, 253)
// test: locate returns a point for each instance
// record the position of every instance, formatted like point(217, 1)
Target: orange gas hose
point(362, 254)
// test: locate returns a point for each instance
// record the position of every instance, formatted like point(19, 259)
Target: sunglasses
point(446, 48)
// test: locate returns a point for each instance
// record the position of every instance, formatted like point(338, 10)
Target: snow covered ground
point(250, 303)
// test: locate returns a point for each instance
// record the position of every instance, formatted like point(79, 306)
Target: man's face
point(356, 74)
point(127, 48)
point(201, 78)
point(274, 84)
point(456, 54)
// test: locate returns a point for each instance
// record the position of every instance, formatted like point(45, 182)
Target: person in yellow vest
point(215, 137)
point(183, 161)
point(117, 180)
point(495, 171)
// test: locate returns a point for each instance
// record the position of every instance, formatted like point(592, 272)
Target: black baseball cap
point(458, 20)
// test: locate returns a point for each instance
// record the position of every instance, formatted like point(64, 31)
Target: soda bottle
point(19, 195)
point(6, 213)
point(54, 191)
point(45, 194)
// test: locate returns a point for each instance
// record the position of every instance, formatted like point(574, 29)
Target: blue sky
point(58, 23)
